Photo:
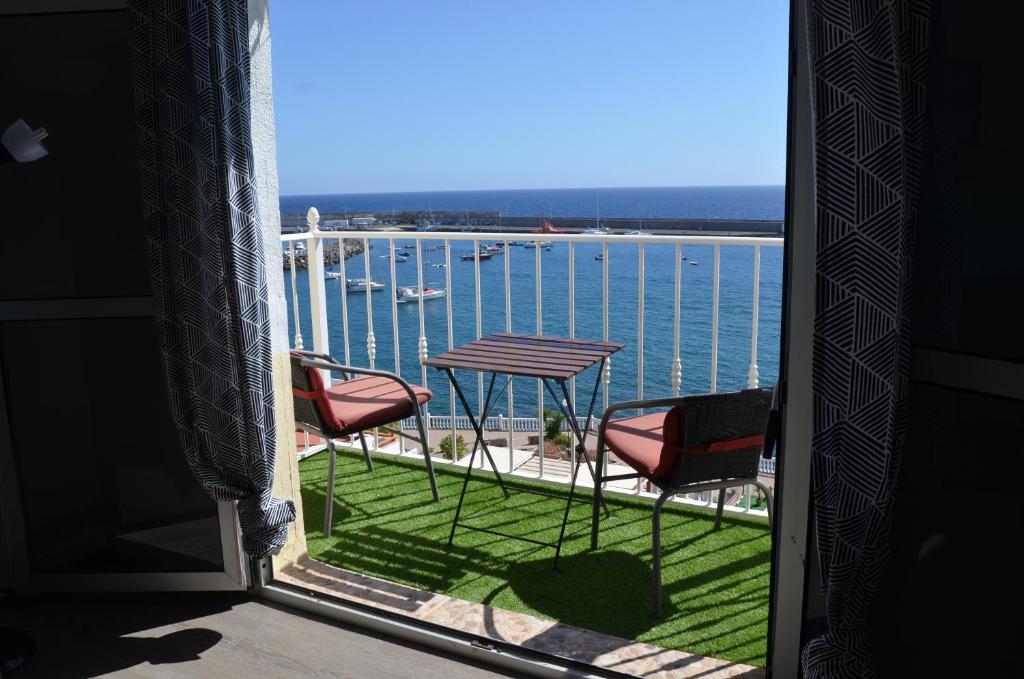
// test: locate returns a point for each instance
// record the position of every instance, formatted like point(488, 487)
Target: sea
point(695, 326)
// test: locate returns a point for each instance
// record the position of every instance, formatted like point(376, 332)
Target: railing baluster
point(343, 282)
point(479, 330)
point(508, 328)
point(640, 326)
point(295, 296)
point(677, 362)
point(371, 341)
point(714, 322)
point(394, 323)
point(540, 387)
point(752, 376)
point(572, 334)
point(448, 296)
point(607, 377)
point(422, 353)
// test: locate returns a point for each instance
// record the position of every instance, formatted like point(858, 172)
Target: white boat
point(359, 285)
point(412, 294)
point(332, 275)
point(637, 232)
point(599, 256)
point(399, 257)
point(600, 231)
point(693, 263)
point(537, 244)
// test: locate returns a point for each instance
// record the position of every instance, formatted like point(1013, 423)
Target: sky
point(398, 95)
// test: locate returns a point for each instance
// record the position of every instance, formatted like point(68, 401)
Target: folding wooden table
point(552, 360)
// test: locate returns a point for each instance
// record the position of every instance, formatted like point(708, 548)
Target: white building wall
point(286, 477)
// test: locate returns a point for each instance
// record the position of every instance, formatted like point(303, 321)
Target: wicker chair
point(364, 399)
point(703, 443)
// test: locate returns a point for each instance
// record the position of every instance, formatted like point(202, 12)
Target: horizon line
point(558, 188)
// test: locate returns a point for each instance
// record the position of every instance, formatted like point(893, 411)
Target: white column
point(317, 291)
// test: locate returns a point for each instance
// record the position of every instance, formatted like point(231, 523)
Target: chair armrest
point(636, 405)
point(332, 365)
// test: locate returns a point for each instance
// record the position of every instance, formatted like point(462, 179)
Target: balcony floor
point(716, 583)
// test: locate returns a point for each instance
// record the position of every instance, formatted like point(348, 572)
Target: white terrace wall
point(286, 478)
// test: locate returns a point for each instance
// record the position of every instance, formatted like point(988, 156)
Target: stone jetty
point(332, 253)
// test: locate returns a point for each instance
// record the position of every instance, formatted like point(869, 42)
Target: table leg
point(581, 437)
point(479, 441)
point(478, 426)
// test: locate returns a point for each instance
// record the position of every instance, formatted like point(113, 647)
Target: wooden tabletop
point(557, 358)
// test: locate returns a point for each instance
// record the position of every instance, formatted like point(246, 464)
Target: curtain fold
point(868, 66)
point(190, 70)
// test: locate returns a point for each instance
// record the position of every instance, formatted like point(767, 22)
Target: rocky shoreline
point(331, 254)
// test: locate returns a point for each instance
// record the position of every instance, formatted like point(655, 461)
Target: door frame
point(791, 537)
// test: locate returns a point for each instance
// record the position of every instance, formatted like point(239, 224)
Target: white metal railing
point(314, 240)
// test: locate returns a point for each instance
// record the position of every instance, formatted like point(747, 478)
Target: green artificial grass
point(385, 524)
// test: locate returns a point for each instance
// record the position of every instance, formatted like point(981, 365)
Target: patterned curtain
point(868, 63)
point(190, 68)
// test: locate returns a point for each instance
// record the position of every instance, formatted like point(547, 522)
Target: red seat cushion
point(652, 444)
point(640, 443)
point(371, 401)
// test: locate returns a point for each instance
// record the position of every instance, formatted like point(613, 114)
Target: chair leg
point(721, 508)
point(426, 452)
point(329, 504)
point(769, 499)
point(595, 520)
point(656, 549)
point(366, 452)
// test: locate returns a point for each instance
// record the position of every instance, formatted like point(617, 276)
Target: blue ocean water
point(735, 301)
point(695, 202)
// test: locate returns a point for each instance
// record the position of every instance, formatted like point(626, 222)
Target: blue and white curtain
point(190, 68)
point(868, 64)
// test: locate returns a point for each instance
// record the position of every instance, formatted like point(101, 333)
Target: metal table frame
point(567, 408)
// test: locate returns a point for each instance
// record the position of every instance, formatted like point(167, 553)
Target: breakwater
point(332, 253)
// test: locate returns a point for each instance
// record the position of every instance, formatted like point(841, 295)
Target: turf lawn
point(385, 524)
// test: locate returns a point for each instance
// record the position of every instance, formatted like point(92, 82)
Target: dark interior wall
point(87, 422)
point(951, 601)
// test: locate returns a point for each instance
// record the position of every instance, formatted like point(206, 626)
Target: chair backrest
point(309, 397)
point(722, 435)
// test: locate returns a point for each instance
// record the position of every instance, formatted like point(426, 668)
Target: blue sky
point(395, 95)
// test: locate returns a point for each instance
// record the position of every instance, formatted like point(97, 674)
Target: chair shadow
point(589, 586)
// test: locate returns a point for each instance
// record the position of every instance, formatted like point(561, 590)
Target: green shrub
point(553, 420)
point(460, 447)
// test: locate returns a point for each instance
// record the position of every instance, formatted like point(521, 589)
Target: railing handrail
point(768, 241)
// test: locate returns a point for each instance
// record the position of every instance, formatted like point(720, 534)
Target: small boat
point(598, 231)
point(694, 263)
point(599, 256)
point(495, 249)
point(515, 243)
point(332, 275)
point(470, 256)
point(439, 266)
point(399, 257)
point(412, 294)
point(637, 232)
point(359, 285)
point(546, 244)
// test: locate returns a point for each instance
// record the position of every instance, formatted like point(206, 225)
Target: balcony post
point(317, 290)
